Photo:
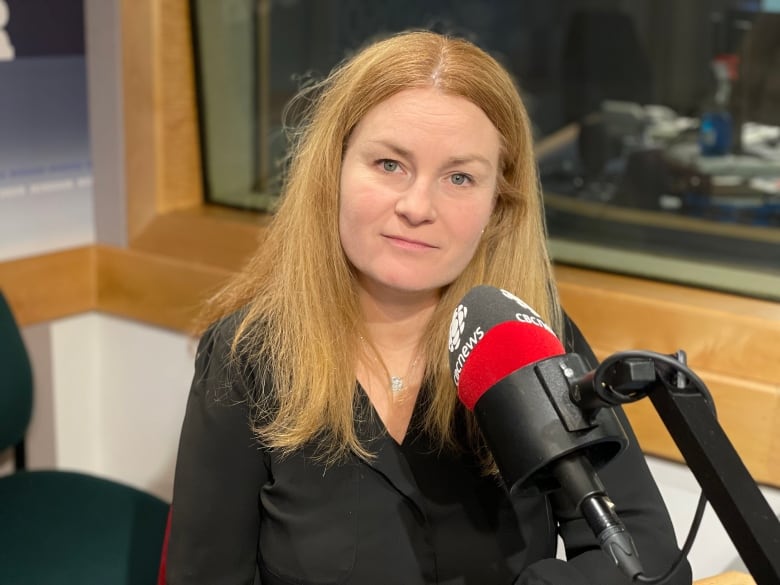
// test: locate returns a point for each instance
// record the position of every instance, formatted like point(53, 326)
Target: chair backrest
point(16, 381)
point(162, 570)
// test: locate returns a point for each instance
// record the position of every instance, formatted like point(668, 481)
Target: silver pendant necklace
point(398, 383)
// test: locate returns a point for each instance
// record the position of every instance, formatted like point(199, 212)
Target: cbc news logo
point(456, 326)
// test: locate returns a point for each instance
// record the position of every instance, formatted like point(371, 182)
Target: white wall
point(118, 391)
point(712, 552)
point(114, 399)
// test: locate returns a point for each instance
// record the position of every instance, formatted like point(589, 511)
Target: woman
point(323, 440)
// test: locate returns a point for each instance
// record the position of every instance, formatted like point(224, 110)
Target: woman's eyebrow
point(469, 158)
point(452, 161)
point(400, 151)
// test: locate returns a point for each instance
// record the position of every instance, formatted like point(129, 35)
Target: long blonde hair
point(301, 316)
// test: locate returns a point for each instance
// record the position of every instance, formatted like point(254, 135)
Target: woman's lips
point(408, 243)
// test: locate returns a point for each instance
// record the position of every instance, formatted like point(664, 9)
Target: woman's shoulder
point(224, 328)
point(574, 341)
point(220, 336)
point(223, 357)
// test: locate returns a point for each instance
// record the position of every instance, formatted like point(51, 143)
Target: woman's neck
point(395, 325)
point(397, 321)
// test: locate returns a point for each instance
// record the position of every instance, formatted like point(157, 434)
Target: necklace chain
point(397, 383)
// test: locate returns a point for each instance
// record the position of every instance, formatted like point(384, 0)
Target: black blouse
point(242, 514)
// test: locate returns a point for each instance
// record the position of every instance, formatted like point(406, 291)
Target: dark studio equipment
point(550, 426)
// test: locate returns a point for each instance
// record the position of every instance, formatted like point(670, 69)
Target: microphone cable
point(684, 378)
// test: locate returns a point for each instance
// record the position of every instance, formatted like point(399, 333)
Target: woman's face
point(418, 184)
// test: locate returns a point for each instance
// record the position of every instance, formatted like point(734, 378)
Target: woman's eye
point(390, 166)
point(459, 179)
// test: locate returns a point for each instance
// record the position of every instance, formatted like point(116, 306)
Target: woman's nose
point(416, 203)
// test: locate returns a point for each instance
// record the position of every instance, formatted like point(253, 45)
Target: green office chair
point(64, 527)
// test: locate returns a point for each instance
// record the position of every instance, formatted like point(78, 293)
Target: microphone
point(512, 371)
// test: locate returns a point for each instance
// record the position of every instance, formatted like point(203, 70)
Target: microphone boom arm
point(687, 411)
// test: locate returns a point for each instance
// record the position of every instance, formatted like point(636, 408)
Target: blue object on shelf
point(715, 133)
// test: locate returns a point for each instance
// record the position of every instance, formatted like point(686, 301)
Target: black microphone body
point(543, 443)
point(541, 440)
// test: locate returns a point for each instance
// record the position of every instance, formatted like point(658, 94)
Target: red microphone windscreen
point(506, 347)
